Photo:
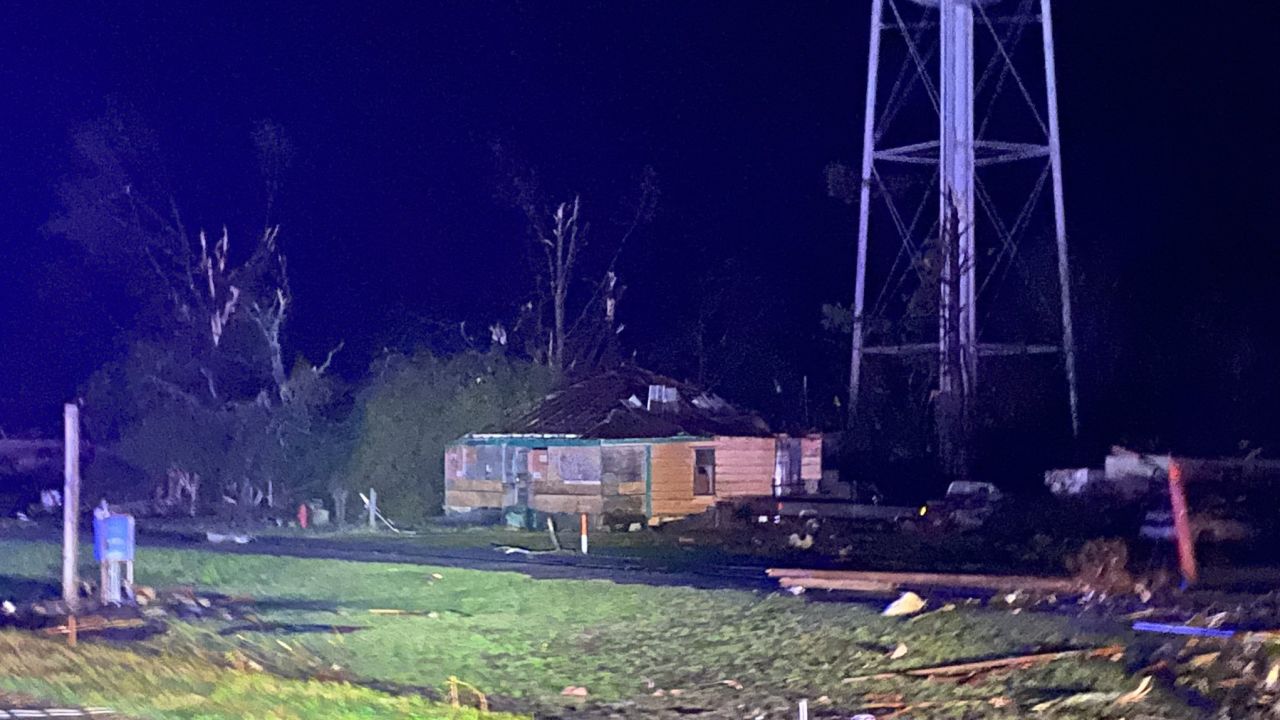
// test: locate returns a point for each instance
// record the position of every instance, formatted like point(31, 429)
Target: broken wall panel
point(576, 464)
point(622, 464)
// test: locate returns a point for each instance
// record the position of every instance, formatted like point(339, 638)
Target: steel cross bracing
point(938, 45)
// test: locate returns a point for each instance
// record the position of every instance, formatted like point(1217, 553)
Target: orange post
point(582, 531)
point(1182, 524)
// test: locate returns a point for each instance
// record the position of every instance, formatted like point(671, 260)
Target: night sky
point(390, 217)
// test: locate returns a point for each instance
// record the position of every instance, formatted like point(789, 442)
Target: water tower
point(960, 141)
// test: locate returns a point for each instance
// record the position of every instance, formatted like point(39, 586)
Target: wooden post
point(582, 531)
point(1182, 524)
point(373, 509)
point(71, 505)
point(551, 529)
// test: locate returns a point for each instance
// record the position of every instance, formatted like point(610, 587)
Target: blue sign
point(113, 538)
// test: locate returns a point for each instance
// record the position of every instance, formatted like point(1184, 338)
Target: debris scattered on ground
point(944, 609)
point(984, 666)
point(396, 611)
point(514, 550)
point(576, 691)
point(908, 603)
point(1102, 566)
point(876, 581)
point(801, 542)
point(1173, 629)
point(238, 539)
point(899, 652)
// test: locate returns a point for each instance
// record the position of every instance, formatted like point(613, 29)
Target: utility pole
point(71, 505)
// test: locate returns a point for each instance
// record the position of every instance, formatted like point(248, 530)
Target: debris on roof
point(610, 406)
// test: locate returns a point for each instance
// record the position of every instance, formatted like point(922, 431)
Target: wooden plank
point(542, 487)
point(853, 585)
point(567, 504)
point(815, 578)
point(631, 488)
point(459, 498)
point(465, 485)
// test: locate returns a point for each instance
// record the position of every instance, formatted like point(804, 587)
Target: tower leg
point(864, 206)
point(1059, 215)
point(957, 327)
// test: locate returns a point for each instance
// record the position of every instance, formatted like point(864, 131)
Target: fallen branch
point(972, 668)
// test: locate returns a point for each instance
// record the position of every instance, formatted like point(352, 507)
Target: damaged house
point(628, 442)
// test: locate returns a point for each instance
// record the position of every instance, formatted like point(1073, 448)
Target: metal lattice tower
point(990, 142)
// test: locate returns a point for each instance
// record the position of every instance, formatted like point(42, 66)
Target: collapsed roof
point(631, 402)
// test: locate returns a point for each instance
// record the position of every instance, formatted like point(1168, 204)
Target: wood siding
point(672, 480)
point(593, 504)
point(461, 500)
point(744, 466)
point(462, 494)
point(811, 457)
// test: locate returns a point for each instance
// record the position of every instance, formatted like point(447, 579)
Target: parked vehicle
point(966, 505)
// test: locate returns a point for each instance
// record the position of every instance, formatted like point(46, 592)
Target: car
point(966, 505)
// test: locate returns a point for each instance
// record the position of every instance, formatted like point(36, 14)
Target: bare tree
point(560, 236)
point(219, 314)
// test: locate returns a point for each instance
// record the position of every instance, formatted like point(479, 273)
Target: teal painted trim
point(540, 442)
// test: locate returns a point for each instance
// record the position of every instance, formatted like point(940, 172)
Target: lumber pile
point(875, 581)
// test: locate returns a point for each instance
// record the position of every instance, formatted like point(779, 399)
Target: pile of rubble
point(145, 617)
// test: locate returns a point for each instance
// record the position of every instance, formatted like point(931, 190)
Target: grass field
point(639, 651)
point(683, 544)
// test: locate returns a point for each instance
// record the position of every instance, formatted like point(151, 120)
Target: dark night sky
point(1169, 121)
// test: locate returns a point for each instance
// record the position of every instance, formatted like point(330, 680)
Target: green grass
point(525, 640)
point(189, 686)
point(676, 545)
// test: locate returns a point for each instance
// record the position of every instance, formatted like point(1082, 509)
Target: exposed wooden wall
point(811, 457)
point(744, 466)
point(553, 495)
point(672, 480)
point(462, 494)
point(622, 478)
point(811, 463)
